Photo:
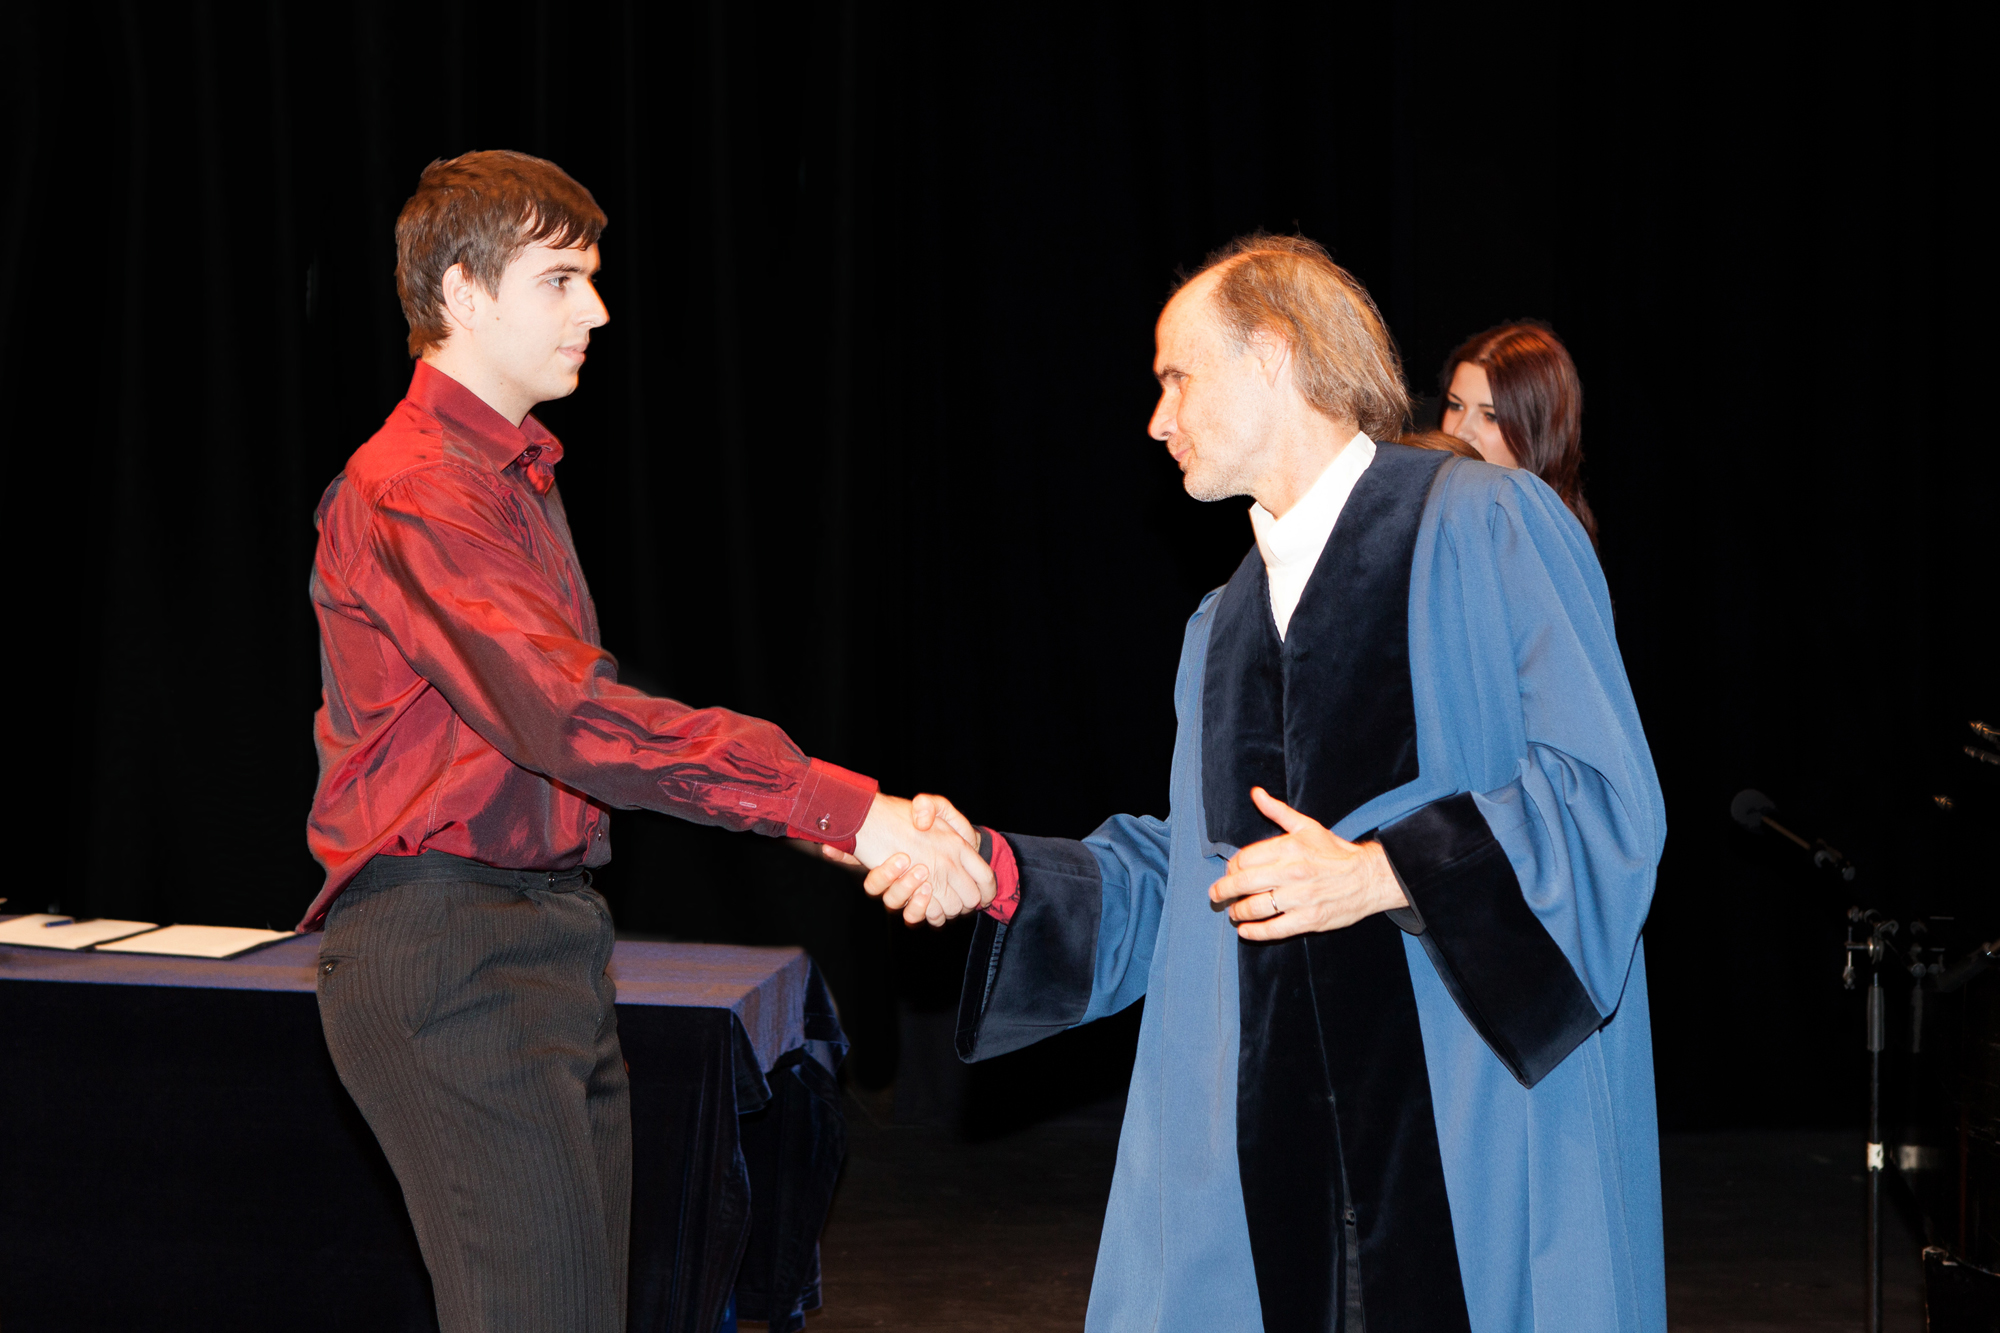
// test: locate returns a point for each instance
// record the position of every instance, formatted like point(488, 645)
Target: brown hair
point(1344, 361)
point(1439, 440)
point(482, 210)
point(1538, 400)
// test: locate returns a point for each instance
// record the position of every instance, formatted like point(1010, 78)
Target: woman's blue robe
point(1527, 983)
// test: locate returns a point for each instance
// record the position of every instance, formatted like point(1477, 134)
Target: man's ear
point(461, 297)
point(1272, 352)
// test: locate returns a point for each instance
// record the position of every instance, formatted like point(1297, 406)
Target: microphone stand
point(1876, 946)
point(1754, 811)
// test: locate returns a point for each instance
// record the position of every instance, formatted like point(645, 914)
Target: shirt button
point(326, 967)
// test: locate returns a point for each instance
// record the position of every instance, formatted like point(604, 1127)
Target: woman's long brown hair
point(1539, 402)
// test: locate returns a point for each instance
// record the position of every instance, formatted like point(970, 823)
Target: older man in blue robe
point(1395, 1067)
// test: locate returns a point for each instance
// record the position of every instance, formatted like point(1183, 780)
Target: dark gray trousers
point(468, 1013)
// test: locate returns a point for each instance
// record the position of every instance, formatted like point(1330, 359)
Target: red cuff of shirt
point(831, 806)
point(1007, 874)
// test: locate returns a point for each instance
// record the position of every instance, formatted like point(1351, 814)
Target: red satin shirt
point(468, 706)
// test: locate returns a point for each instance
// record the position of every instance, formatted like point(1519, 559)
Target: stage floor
point(1764, 1230)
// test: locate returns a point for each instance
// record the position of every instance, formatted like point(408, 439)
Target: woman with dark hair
point(1513, 394)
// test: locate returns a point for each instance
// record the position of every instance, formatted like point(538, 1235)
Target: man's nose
point(1161, 427)
point(595, 316)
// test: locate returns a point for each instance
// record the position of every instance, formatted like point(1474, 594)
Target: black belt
point(443, 867)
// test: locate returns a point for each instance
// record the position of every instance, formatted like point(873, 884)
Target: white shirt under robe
point(1291, 545)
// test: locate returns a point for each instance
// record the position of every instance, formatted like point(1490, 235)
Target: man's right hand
point(925, 859)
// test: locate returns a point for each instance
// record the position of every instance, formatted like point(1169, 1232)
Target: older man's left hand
point(1308, 879)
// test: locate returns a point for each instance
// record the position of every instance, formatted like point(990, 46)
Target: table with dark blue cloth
point(176, 1151)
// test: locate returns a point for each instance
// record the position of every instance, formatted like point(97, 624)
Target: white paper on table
point(197, 941)
point(34, 930)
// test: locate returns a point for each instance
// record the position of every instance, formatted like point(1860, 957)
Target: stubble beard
point(1209, 480)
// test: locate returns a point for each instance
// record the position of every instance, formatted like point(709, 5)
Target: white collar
point(1291, 545)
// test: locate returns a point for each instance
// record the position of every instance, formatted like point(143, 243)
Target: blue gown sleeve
point(1531, 893)
point(1080, 944)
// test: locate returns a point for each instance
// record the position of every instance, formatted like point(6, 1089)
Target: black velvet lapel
point(1243, 709)
point(1336, 1137)
point(1350, 715)
point(1325, 720)
point(1052, 948)
point(1496, 958)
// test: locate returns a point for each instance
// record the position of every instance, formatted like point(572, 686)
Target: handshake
point(922, 858)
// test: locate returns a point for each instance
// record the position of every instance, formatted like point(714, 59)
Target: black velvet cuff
point(1031, 977)
point(1509, 977)
point(1406, 919)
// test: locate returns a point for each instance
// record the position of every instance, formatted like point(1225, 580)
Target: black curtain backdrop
point(862, 448)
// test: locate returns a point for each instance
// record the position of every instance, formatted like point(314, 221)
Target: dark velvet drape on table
point(862, 447)
point(175, 1154)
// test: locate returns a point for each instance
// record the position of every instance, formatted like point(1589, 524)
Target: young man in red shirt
point(473, 737)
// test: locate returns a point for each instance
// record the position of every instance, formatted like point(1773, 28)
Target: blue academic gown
point(1525, 726)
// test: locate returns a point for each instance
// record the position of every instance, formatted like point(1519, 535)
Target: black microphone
point(1753, 810)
